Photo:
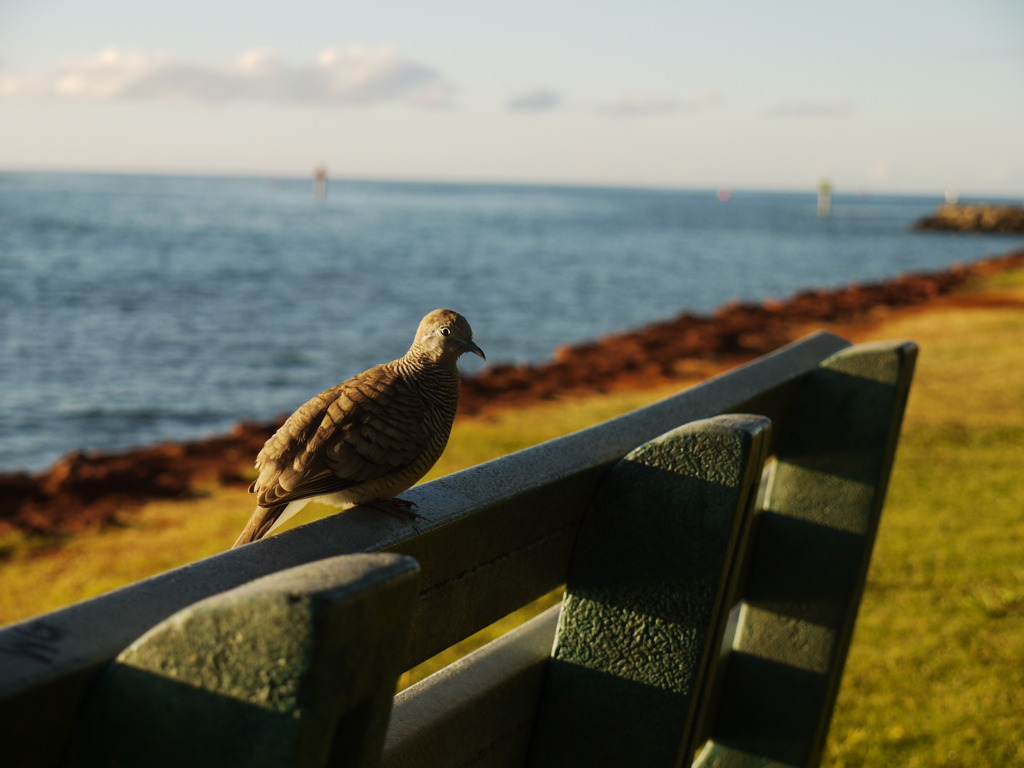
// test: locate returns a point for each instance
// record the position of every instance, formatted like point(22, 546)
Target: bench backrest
point(791, 565)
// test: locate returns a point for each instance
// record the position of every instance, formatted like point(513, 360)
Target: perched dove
point(369, 438)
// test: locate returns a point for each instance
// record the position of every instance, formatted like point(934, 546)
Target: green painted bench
point(714, 548)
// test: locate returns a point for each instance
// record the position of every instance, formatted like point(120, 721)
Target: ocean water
point(135, 309)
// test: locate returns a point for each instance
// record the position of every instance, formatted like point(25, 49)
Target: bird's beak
point(471, 347)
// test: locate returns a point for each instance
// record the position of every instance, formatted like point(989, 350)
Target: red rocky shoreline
point(85, 490)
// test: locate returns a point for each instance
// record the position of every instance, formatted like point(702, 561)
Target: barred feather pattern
point(371, 437)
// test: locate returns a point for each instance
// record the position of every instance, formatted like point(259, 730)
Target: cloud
point(354, 76)
point(646, 105)
point(102, 76)
point(811, 109)
point(634, 106)
point(536, 100)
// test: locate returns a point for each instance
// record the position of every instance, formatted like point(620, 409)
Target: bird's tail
point(262, 520)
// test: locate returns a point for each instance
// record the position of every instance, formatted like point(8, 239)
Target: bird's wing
point(363, 428)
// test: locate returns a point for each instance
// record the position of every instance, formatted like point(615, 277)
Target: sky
point(904, 96)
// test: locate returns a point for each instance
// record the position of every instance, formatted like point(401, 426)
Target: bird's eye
point(444, 330)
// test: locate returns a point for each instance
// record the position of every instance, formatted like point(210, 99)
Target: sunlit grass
point(935, 676)
point(40, 574)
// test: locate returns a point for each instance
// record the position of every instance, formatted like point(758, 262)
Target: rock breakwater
point(983, 218)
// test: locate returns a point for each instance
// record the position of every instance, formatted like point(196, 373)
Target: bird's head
point(445, 335)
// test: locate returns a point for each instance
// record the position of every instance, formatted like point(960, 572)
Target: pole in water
point(825, 198)
point(320, 183)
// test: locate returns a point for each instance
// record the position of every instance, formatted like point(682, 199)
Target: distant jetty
point(980, 217)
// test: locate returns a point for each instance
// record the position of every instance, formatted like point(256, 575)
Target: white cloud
point(640, 105)
point(810, 108)
point(536, 100)
point(355, 75)
point(633, 106)
point(102, 76)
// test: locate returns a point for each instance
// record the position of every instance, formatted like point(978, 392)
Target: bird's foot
point(400, 508)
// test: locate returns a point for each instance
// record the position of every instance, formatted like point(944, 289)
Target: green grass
point(935, 676)
point(1005, 280)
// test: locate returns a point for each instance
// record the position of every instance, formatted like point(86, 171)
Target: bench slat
point(477, 711)
point(647, 597)
point(294, 669)
point(809, 560)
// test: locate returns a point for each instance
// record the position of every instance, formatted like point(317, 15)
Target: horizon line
point(456, 180)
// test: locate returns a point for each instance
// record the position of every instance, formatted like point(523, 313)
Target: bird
point(369, 438)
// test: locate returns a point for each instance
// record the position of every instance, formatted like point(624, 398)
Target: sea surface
point(135, 309)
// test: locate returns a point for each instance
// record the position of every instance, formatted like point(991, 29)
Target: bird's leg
point(396, 507)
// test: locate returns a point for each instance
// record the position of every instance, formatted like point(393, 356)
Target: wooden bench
point(714, 548)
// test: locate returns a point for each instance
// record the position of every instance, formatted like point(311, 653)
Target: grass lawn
point(936, 673)
point(935, 676)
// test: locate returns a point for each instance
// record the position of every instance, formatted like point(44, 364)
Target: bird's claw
point(401, 508)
